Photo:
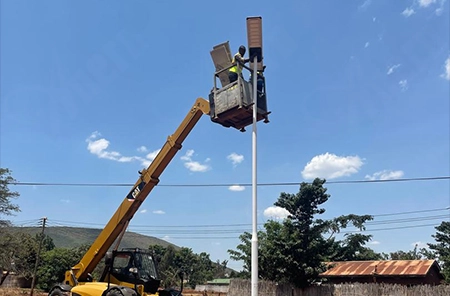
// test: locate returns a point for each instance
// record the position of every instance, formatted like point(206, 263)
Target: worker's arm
point(240, 59)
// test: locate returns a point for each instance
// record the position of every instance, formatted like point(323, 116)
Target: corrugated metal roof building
point(406, 272)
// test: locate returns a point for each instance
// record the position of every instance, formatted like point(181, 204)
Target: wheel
point(120, 291)
point(57, 292)
point(114, 292)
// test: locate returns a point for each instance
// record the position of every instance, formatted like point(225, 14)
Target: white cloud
point(331, 166)
point(403, 84)
point(374, 19)
point(446, 74)
point(188, 155)
point(440, 9)
point(65, 200)
point(149, 158)
point(392, 69)
point(235, 158)
point(159, 212)
point(143, 211)
point(142, 149)
point(374, 243)
point(426, 3)
point(236, 188)
point(408, 12)
point(367, 44)
point(194, 166)
point(365, 4)
point(385, 175)
point(99, 147)
point(276, 212)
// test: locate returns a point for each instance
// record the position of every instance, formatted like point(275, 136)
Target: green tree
point(184, 261)
point(18, 254)
point(414, 254)
point(196, 268)
point(352, 248)
point(167, 270)
point(47, 242)
point(7, 208)
point(220, 269)
point(442, 247)
point(293, 251)
point(54, 264)
point(243, 251)
point(158, 252)
point(202, 270)
point(8, 243)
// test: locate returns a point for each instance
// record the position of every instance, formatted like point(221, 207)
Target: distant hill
point(70, 237)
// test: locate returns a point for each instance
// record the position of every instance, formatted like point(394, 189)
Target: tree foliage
point(414, 254)
point(442, 247)
point(196, 268)
point(7, 208)
point(294, 250)
point(18, 252)
point(54, 264)
point(352, 248)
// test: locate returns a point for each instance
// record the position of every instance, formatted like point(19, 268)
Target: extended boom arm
point(148, 180)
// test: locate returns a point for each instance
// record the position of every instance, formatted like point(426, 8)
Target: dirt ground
point(19, 292)
point(26, 292)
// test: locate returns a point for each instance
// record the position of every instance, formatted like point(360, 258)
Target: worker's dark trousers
point(232, 76)
point(260, 84)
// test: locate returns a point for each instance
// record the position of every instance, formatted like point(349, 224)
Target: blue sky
point(358, 90)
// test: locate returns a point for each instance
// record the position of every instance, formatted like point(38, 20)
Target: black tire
point(114, 293)
point(120, 291)
point(57, 292)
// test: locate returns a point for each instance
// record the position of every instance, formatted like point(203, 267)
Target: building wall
point(212, 288)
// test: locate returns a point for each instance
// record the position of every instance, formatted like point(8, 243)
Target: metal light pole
point(254, 268)
point(254, 35)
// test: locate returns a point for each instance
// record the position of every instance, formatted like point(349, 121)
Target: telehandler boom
point(140, 275)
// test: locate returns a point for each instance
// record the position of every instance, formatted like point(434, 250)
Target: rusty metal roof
point(380, 268)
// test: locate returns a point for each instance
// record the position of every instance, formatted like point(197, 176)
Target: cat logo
point(135, 192)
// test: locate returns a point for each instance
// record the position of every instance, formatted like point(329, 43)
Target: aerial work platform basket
point(232, 104)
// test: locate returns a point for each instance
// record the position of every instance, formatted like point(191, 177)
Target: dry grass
point(19, 292)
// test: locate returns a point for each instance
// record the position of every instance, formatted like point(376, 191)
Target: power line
point(237, 230)
point(407, 220)
point(242, 226)
point(61, 222)
point(391, 228)
point(411, 212)
point(227, 185)
point(368, 230)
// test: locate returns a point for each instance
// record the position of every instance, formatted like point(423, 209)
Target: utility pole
point(33, 282)
point(254, 35)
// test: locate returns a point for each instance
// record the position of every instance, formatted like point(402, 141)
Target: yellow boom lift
point(133, 272)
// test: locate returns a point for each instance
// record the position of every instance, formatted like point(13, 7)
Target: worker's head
point(242, 50)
